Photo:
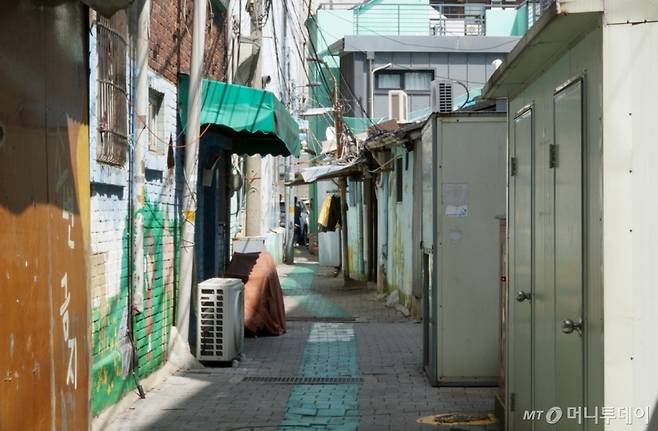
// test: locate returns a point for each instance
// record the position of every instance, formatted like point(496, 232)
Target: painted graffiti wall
point(114, 355)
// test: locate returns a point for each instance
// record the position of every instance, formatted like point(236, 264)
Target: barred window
point(112, 99)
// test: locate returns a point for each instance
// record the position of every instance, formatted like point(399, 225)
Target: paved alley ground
point(347, 362)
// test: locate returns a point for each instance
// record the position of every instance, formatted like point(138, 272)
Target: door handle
point(522, 296)
point(568, 326)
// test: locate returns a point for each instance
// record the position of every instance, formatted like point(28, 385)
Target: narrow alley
point(347, 362)
point(355, 215)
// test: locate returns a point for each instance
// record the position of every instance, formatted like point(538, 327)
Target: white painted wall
point(630, 222)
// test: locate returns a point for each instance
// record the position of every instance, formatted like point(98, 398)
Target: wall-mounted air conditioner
point(220, 319)
point(398, 106)
point(442, 96)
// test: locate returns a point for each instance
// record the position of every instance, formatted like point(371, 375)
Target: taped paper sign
point(455, 199)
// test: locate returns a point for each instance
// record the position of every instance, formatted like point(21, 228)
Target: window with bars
point(112, 98)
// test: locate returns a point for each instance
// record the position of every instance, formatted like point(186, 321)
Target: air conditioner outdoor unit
point(398, 106)
point(220, 322)
point(442, 96)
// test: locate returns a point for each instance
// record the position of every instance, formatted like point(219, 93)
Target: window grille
point(112, 99)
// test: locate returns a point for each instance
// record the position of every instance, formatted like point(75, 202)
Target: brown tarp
point(264, 312)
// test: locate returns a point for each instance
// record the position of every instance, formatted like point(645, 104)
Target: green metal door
point(521, 265)
point(567, 159)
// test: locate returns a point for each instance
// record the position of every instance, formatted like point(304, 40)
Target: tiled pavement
point(332, 332)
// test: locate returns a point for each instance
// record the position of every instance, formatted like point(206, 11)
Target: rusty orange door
point(44, 217)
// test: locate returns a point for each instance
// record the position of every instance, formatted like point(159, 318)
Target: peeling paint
point(395, 230)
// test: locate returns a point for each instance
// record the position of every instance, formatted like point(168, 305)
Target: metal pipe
point(371, 105)
point(140, 143)
point(290, 214)
point(253, 164)
point(191, 170)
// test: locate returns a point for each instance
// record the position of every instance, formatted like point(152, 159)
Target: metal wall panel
point(471, 194)
point(569, 246)
point(521, 288)
point(630, 156)
point(549, 372)
point(44, 200)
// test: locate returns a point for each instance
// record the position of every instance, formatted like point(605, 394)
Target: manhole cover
point(459, 419)
point(295, 380)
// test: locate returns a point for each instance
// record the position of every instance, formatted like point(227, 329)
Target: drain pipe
point(140, 142)
point(190, 174)
point(136, 166)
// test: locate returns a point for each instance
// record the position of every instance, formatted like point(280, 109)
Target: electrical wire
point(461, 82)
point(328, 88)
point(276, 45)
point(343, 80)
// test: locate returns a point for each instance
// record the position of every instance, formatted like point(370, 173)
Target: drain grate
point(332, 319)
point(298, 380)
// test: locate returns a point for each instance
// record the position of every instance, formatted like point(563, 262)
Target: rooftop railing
point(441, 19)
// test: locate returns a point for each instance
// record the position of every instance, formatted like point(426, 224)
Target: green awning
point(255, 120)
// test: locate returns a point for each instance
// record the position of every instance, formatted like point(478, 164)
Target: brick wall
point(171, 39)
point(170, 45)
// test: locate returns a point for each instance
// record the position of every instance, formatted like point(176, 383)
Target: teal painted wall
point(521, 21)
point(393, 17)
point(355, 230)
point(394, 228)
point(500, 22)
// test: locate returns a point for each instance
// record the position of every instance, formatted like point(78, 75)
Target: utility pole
point(290, 214)
point(342, 184)
point(338, 124)
point(253, 169)
point(289, 171)
point(191, 170)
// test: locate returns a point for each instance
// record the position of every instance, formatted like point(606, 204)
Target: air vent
point(220, 330)
point(211, 313)
point(442, 96)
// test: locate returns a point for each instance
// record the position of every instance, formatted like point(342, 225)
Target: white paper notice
point(455, 199)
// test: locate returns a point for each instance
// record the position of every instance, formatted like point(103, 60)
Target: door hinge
point(553, 155)
point(513, 166)
point(512, 402)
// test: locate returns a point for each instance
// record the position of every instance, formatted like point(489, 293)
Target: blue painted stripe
point(330, 351)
